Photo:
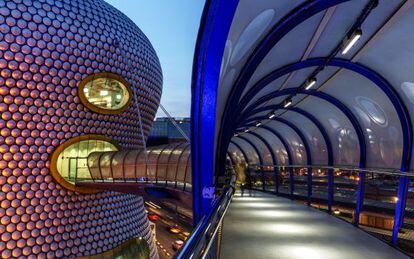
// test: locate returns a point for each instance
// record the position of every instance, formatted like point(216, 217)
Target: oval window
point(69, 160)
point(105, 93)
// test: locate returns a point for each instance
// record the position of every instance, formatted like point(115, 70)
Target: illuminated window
point(105, 93)
point(69, 160)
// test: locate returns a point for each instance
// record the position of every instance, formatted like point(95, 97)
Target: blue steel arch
point(298, 132)
point(347, 112)
point(243, 154)
point(271, 154)
point(242, 151)
point(278, 31)
point(314, 120)
point(215, 25)
point(368, 73)
point(254, 147)
point(289, 154)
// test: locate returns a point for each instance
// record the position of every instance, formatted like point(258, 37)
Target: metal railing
point(380, 201)
point(204, 242)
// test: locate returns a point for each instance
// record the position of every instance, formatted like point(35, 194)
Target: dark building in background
point(164, 131)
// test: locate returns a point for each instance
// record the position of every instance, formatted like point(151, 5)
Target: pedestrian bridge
point(312, 101)
point(260, 225)
point(161, 173)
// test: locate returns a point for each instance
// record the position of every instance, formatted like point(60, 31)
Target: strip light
point(350, 42)
point(246, 130)
point(287, 103)
point(272, 115)
point(258, 124)
point(309, 83)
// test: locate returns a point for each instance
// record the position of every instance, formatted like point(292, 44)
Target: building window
point(69, 161)
point(105, 93)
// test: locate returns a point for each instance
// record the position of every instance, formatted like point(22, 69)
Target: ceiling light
point(309, 83)
point(350, 41)
point(258, 124)
point(85, 90)
point(246, 130)
point(287, 103)
point(272, 115)
point(103, 92)
point(236, 134)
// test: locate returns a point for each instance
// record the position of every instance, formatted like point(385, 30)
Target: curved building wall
point(46, 48)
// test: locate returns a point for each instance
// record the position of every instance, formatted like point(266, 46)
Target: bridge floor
point(267, 226)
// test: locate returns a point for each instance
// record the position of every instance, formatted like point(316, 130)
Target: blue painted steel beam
point(355, 123)
point(253, 146)
point(295, 17)
point(268, 146)
point(378, 80)
point(325, 136)
point(335, 102)
point(214, 28)
point(289, 154)
point(308, 155)
point(283, 27)
point(242, 151)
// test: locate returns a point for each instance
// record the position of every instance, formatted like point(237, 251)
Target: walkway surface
point(267, 226)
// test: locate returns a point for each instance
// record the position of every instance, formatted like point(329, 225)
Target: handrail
point(386, 171)
point(200, 241)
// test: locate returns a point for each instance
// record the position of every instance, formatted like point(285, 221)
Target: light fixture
point(350, 41)
point(258, 124)
point(236, 134)
point(103, 93)
point(272, 115)
point(287, 103)
point(86, 90)
point(118, 97)
point(246, 130)
point(309, 83)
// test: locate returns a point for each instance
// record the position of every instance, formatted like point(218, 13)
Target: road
point(164, 238)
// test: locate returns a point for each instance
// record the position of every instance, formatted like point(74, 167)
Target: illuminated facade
point(49, 51)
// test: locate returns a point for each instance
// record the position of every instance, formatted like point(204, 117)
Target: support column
point(400, 208)
point(330, 189)
point(309, 183)
point(360, 197)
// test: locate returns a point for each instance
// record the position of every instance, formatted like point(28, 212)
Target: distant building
point(164, 131)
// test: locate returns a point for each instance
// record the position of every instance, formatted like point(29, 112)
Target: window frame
point(96, 108)
point(55, 156)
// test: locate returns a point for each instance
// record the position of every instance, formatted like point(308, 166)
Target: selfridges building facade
point(76, 76)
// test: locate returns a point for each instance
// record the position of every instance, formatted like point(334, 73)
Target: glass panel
point(261, 147)
point(295, 144)
point(182, 165)
point(277, 146)
point(251, 154)
point(172, 163)
point(313, 137)
point(118, 165)
point(72, 161)
point(129, 166)
point(162, 163)
point(376, 114)
point(106, 93)
point(341, 132)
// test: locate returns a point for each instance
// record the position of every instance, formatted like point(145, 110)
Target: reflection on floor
point(267, 226)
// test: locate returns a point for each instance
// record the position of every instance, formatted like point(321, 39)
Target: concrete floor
point(267, 226)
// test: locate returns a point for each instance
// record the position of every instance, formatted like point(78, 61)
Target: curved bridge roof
point(356, 114)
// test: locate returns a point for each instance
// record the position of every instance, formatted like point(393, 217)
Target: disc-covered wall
point(47, 48)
